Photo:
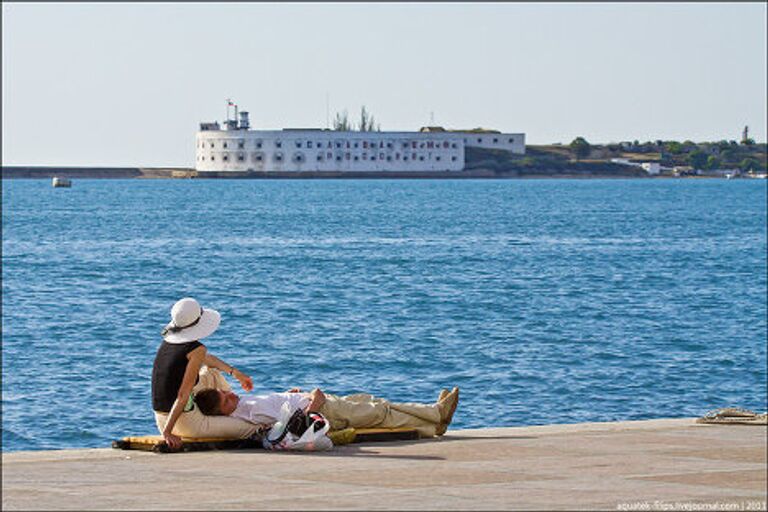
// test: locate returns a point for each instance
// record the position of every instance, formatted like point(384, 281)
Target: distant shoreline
point(48, 172)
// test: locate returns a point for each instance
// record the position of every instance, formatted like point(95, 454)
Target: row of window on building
point(323, 156)
point(494, 140)
point(240, 144)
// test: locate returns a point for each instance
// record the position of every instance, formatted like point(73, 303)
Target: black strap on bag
point(298, 423)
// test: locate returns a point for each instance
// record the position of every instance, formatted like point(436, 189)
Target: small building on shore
point(235, 147)
point(652, 168)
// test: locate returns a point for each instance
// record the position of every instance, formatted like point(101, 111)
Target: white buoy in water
point(61, 182)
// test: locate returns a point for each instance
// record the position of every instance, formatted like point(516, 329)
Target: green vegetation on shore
point(582, 158)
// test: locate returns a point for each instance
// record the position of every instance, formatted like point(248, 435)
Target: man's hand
point(172, 440)
point(245, 381)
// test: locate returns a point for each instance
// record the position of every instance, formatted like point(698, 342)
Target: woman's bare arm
point(196, 358)
point(214, 362)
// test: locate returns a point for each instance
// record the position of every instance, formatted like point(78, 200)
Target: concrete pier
point(671, 464)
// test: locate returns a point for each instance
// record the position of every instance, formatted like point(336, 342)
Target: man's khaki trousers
point(366, 411)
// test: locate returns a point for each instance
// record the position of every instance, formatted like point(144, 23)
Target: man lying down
point(356, 411)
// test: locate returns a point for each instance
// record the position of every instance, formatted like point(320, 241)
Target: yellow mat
point(189, 444)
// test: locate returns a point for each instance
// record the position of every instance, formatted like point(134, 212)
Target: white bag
point(310, 441)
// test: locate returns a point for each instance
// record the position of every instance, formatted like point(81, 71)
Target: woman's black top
point(168, 373)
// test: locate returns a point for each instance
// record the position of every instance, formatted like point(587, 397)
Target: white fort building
point(236, 148)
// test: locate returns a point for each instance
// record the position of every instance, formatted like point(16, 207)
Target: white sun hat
point(190, 322)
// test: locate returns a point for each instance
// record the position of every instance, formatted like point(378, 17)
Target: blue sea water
point(546, 301)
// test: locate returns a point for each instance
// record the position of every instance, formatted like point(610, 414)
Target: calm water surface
point(545, 301)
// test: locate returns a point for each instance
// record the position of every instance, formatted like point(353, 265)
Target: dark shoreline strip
point(35, 172)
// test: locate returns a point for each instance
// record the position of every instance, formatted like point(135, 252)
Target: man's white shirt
point(265, 409)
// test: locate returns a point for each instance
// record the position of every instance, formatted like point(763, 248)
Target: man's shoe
point(447, 406)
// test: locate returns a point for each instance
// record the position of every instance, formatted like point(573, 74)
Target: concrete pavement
point(641, 465)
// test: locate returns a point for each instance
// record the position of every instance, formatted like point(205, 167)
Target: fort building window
point(278, 157)
point(453, 145)
point(258, 144)
point(389, 159)
point(405, 158)
point(338, 158)
point(213, 158)
point(479, 140)
point(298, 157)
point(278, 144)
point(511, 141)
point(225, 144)
point(226, 158)
point(240, 157)
point(437, 158)
point(298, 143)
point(241, 144)
point(495, 141)
point(421, 158)
point(309, 144)
point(211, 144)
point(357, 158)
point(453, 159)
point(356, 144)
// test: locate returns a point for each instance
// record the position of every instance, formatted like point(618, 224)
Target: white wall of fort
point(296, 150)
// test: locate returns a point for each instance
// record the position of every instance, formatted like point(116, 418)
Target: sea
point(544, 301)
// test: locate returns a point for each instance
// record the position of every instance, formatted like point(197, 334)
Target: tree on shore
point(341, 122)
point(697, 159)
point(580, 147)
point(713, 162)
point(674, 147)
point(367, 123)
point(749, 165)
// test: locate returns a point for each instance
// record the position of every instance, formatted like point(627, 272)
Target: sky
point(128, 84)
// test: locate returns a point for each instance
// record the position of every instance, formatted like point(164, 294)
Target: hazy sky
point(127, 84)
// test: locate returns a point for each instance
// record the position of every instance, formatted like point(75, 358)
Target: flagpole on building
point(229, 102)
